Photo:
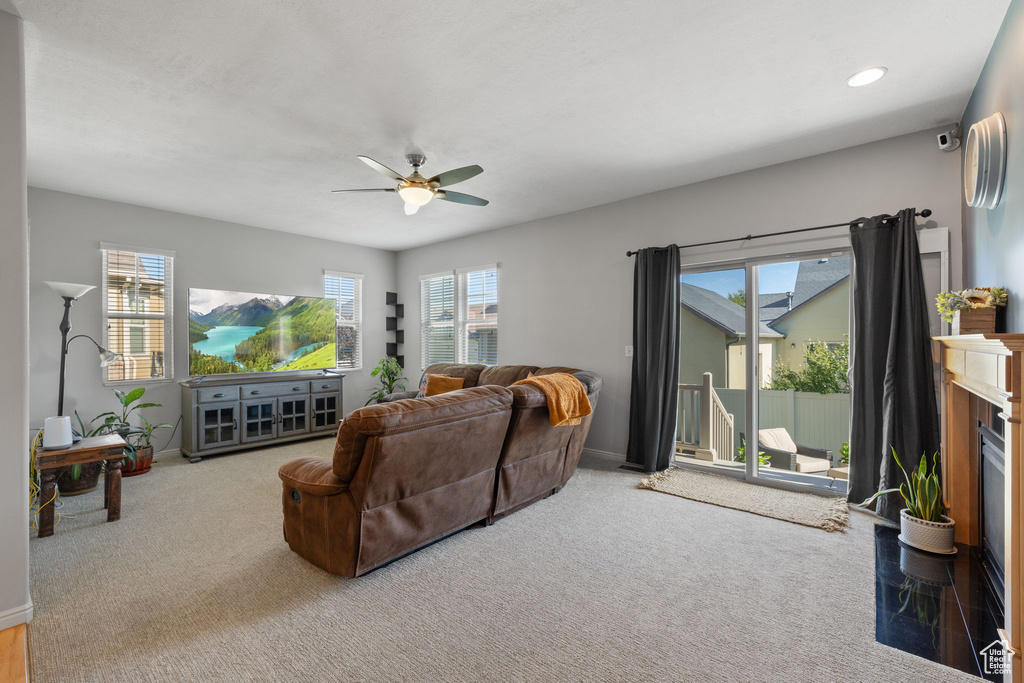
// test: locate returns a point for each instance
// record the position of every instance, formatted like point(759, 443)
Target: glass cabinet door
point(218, 425)
point(292, 417)
point(259, 419)
point(325, 411)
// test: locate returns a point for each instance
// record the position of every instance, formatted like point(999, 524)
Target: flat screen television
point(244, 332)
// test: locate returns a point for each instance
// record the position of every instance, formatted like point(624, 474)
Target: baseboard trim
point(606, 455)
point(16, 615)
point(169, 451)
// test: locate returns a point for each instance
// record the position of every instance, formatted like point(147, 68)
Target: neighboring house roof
point(717, 310)
point(771, 306)
point(813, 278)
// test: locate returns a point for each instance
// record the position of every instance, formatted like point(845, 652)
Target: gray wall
point(565, 283)
point(993, 246)
point(66, 231)
point(15, 603)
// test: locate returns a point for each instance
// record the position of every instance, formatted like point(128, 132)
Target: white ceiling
point(253, 110)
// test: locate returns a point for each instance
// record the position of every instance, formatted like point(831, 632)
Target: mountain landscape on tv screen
point(259, 333)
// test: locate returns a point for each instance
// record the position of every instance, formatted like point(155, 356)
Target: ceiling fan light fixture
point(417, 196)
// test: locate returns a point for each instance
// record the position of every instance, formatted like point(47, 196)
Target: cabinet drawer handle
point(218, 395)
point(325, 386)
point(296, 388)
point(255, 392)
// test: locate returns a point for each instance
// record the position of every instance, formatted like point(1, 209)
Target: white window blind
point(137, 314)
point(437, 319)
point(478, 316)
point(347, 289)
point(459, 316)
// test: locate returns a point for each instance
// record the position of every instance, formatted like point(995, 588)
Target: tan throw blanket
point(567, 399)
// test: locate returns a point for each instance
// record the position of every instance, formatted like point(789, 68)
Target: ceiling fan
point(416, 191)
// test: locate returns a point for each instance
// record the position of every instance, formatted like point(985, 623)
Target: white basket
point(933, 537)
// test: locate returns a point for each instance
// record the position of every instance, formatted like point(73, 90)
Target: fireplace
point(983, 465)
point(992, 508)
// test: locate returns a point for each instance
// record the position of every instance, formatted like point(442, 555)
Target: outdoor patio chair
point(786, 454)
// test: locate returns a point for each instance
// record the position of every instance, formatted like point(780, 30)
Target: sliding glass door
point(764, 357)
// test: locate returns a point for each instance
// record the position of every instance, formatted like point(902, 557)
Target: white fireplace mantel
point(990, 367)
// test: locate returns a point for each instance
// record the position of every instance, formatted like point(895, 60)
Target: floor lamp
point(71, 292)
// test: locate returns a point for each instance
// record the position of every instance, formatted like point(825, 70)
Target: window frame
point(460, 321)
point(167, 316)
point(357, 324)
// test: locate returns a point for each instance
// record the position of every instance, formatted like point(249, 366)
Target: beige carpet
point(830, 514)
point(602, 582)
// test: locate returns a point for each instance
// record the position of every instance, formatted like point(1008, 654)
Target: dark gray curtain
point(654, 391)
point(893, 392)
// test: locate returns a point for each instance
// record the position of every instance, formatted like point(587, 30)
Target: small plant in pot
point(390, 372)
point(923, 523)
point(139, 451)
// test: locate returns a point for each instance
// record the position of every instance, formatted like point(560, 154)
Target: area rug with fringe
point(830, 514)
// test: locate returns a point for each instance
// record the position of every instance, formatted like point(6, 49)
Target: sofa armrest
point(399, 395)
point(311, 475)
point(814, 452)
point(780, 460)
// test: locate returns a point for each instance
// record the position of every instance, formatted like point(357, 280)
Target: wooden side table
point(91, 449)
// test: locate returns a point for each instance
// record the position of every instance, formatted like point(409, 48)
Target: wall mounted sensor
point(949, 140)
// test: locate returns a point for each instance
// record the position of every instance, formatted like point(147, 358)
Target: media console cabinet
point(230, 414)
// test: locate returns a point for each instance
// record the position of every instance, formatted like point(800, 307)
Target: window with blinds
point(137, 313)
point(478, 321)
point(437, 319)
point(459, 317)
point(347, 289)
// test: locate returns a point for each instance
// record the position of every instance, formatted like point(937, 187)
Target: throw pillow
point(442, 384)
point(423, 387)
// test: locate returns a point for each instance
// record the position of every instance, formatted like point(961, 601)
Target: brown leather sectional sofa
point(410, 471)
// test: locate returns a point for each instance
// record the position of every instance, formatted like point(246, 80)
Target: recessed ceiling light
point(866, 77)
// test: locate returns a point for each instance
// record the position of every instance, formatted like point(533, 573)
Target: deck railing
point(703, 424)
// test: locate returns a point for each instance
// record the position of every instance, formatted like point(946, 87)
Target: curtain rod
point(923, 213)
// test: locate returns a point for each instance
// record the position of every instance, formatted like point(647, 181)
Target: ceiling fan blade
point(410, 209)
point(380, 168)
point(372, 189)
point(455, 176)
point(460, 198)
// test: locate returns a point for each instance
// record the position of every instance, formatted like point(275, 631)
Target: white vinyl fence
point(818, 420)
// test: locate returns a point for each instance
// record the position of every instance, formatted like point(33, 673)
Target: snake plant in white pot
point(923, 523)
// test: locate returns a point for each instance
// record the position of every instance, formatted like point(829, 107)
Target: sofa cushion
point(806, 463)
point(442, 384)
point(778, 439)
point(504, 375)
point(471, 372)
point(409, 415)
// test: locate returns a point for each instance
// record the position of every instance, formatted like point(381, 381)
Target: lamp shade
point(108, 357)
point(417, 196)
point(70, 289)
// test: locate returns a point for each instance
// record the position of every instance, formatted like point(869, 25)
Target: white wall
point(565, 283)
point(15, 603)
point(66, 231)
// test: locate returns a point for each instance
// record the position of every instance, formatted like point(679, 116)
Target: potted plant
point(972, 310)
point(741, 454)
point(389, 372)
point(141, 441)
point(139, 450)
point(923, 523)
